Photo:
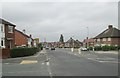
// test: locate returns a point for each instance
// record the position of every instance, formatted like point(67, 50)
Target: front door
point(10, 44)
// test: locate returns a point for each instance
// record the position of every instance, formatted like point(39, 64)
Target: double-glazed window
point(10, 29)
point(2, 27)
point(104, 39)
point(2, 42)
point(109, 39)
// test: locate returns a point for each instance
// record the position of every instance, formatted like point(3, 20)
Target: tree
point(61, 39)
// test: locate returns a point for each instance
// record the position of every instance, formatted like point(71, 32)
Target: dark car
point(52, 48)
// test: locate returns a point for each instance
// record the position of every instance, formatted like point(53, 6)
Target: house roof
point(22, 33)
point(88, 40)
point(2, 21)
point(71, 40)
point(110, 32)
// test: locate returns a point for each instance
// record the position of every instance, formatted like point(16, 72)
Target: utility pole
point(87, 38)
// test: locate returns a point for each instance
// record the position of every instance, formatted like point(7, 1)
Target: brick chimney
point(110, 26)
point(30, 36)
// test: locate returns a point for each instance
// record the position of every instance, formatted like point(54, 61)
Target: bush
point(40, 46)
point(90, 48)
point(107, 48)
point(21, 52)
point(97, 48)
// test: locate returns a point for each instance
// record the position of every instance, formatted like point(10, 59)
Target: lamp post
point(87, 38)
point(72, 48)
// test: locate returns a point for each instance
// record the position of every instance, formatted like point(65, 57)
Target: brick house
point(21, 39)
point(7, 38)
point(88, 42)
point(7, 34)
point(73, 43)
point(110, 37)
point(36, 42)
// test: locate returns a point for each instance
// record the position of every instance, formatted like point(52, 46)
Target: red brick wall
point(4, 53)
point(20, 39)
point(115, 41)
point(9, 35)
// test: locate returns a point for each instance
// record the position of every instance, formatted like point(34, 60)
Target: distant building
point(36, 41)
point(73, 43)
point(7, 34)
point(88, 42)
point(21, 39)
point(110, 37)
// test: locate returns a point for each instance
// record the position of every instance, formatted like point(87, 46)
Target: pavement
point(62, 62)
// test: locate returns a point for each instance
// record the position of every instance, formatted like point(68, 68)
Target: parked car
point(83, 49)
point(53, 48)
point(47, 48)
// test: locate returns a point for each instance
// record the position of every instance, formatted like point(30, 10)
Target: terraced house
point(110, 37)
point(7, 34)
point(7, 38)
point(22, 40)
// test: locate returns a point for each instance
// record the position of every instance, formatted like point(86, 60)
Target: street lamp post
point(72, 48)
point(87, 37)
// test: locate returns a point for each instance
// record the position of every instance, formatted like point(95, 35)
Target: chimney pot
point(110, 26)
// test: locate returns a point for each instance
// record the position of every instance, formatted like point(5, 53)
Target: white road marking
point(6, 63)
point(47, 63)
point(43, 63)
point(108, 61)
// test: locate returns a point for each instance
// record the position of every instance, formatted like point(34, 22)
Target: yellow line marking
point(29, 62)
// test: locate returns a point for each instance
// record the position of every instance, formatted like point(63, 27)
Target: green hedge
point(40, 46)
point(21, 52)
point(97, 48)
point(106, 48)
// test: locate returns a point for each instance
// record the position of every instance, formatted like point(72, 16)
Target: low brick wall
point(4, 53)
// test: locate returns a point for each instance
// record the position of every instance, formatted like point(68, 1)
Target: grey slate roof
point(112, 33)
point(2, 21)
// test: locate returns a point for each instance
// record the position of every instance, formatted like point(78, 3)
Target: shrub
point(40, 46)
point(97, 48)
point(21, 52)
point(90, 48)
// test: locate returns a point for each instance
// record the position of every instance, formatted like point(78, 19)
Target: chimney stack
point(30, 36)
point(110, 26)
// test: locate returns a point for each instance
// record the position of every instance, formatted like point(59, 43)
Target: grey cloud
point(50, 19)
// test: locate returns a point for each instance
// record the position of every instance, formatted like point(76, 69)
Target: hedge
point(106, 48)
point(21, 52)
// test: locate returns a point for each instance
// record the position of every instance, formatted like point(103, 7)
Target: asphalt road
point(62, 62)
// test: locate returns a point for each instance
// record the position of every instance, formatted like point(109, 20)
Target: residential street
point(62, 62)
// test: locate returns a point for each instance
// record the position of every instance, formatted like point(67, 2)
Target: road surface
point(62, 62)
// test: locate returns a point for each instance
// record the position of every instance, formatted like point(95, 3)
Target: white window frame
point(2, 39)
point(10, 29)
point(104, 39)
point(109, 39)
point(98, 40)
point(2, 28)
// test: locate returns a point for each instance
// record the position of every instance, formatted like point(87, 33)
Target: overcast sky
point(50, 19)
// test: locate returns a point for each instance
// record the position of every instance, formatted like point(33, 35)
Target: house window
point(98, 40)
point(109, 39)
point(10, 29)
point(2, 27)
point(2, 43)
point(104, 39)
